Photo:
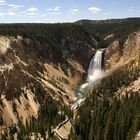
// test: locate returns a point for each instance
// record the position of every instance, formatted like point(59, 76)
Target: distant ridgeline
point(83, 30)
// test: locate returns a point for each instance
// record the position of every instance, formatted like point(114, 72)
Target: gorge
point(81, 79)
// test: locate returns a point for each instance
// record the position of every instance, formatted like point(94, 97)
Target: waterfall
point(95, 71)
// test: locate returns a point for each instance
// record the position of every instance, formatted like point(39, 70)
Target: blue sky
point(50, 11)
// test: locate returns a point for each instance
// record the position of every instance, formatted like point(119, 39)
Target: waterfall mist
point(95, 71)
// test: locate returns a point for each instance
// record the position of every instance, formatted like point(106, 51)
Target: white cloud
point(10, 13)
point(43, 15)
point(13, 6)
point(94, 10)
point(2, 14)
point(2, 2)
point(133, 10)
point(73, 11)
point(30, 14)
point(54, 9)
point(33, 9)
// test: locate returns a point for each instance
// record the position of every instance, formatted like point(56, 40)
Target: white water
point(95, 73)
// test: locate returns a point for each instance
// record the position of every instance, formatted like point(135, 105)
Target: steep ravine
point(116, 58)
point(32, 73)
point(106, 113)
point(28, 67)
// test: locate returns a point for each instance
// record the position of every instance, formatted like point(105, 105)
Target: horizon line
point(41, 22)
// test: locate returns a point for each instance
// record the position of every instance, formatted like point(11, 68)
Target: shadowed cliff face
point(80, 51)
point(30, 71)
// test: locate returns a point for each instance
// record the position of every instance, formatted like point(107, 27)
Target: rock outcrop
point(117, 56)
point(112, 55)
point(127, 57)
point(29, 69)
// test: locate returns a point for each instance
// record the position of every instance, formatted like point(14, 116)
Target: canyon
point(35, 73)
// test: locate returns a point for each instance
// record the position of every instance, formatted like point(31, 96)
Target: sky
point(53, 11)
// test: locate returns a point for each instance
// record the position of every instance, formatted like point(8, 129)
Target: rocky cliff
point(31, 72)
point(127, 57)
point(36, 73)
point(117, 56)
point(111, 111)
